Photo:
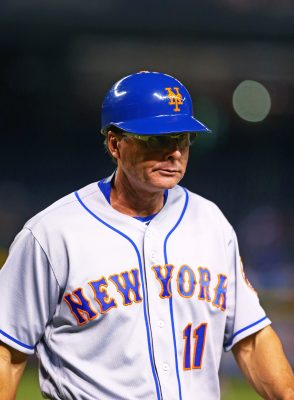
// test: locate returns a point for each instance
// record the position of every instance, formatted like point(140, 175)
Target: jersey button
point(165, 367)
point(160, 323)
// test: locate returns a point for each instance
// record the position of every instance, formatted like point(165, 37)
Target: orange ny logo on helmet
point(175, 98)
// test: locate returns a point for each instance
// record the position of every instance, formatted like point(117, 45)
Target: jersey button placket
point(148, 234)
point(165, 367)
point(159, 312)
point(160, 324)
point(153, 257)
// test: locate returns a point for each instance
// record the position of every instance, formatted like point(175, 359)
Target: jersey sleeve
point(245, 314)
point(28, 291)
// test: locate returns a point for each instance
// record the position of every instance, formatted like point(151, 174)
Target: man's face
point(152, 165)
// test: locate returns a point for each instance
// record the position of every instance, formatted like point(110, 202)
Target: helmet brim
point(161, 125)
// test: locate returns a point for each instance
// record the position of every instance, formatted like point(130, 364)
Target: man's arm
point(261, 358)
point(12, 365)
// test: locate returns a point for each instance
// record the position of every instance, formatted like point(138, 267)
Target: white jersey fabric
point(119, 310)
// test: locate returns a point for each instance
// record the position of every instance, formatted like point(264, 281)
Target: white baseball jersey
point(117, 309)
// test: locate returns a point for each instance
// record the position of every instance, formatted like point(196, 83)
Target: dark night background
point(58, 58)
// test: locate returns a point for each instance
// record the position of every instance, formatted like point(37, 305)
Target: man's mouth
point(167, 171)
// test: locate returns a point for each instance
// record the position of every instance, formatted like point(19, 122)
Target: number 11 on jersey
point(199, 336)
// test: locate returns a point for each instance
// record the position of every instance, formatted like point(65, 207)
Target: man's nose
point(173, 151)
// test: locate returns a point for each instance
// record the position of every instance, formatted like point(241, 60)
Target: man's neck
point(132, 201)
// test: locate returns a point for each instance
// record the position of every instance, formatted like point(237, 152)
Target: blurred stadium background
point(58, 58)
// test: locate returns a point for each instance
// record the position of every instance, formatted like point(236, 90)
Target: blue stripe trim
point(143, 288)
point(170, 299)
point(26, 346)
point(146, 219)
point(242, 330)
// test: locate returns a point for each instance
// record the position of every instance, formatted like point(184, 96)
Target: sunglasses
point(156, 142)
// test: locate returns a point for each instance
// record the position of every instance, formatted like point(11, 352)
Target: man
point(130, 288)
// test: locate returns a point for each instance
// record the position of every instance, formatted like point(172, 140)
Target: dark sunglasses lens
point(163, 141)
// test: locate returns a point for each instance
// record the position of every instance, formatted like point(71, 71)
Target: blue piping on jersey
point(229, 342)
point(170, 299)
point(143, 288)
point(26, 346)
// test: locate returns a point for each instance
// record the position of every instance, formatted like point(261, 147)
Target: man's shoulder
point(200, 200)
point(62, 209)
point(208, 210)
point(196, 200)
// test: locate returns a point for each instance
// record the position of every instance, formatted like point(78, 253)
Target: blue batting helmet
point(149, 103)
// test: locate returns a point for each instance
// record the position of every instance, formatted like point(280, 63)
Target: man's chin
point(167, 182)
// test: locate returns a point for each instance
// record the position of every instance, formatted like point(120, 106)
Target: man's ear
point(112, 142)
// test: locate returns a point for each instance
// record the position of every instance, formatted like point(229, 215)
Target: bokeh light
point(251, 101)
